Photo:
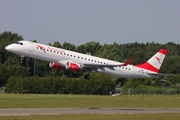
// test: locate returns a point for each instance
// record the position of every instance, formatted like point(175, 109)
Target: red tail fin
point(155, 62)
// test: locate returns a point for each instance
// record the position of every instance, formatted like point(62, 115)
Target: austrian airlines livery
point(60, 58)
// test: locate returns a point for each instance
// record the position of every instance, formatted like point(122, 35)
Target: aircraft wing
point(100, 65)
point(90, 65)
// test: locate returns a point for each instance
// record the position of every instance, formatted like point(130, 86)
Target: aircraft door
point(31, 46)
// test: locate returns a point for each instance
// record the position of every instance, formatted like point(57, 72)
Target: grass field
point(88, 101)
point(97, 117)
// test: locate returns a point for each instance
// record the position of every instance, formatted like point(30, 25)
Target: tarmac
point(61, 111)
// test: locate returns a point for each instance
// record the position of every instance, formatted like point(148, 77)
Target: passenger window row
point(83, 58)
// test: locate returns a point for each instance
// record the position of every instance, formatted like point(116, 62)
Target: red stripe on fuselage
point(148, 66)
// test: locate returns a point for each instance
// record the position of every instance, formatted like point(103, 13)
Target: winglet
point(127, 62)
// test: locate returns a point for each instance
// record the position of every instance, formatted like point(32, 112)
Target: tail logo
point(158, 59)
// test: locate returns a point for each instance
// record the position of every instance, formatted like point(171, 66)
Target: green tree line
point(59, 85)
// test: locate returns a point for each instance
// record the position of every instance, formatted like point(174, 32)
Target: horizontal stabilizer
point(160, 74)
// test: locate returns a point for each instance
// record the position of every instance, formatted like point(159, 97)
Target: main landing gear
point(76, 75)
point(87, 76)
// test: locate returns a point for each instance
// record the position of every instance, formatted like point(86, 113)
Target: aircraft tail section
point(155, 62)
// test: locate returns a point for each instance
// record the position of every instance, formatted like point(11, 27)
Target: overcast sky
point(82, 21)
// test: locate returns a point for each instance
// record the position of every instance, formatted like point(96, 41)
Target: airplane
point(59, 58)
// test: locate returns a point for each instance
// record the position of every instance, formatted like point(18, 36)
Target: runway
point(60, 111)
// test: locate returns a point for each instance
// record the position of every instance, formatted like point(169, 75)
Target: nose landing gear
point(21, 58)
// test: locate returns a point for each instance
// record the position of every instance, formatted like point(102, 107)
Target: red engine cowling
point(55, 65)
point(75, 67)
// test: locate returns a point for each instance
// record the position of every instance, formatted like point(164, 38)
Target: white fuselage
point(58, 55)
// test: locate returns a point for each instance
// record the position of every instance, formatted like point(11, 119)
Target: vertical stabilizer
point(155, 62)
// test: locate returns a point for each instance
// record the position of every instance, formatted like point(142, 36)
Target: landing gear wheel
point(87, 76)
point(76, 75)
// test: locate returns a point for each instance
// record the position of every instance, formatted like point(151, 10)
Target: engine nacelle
point(55, 65)
point(75, 67)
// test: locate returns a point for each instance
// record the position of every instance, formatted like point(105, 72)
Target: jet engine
point(55, 65)
point(75, 67)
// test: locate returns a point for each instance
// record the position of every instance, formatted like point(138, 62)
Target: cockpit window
point(19, 43)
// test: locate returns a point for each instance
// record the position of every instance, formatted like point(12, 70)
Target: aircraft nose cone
point(8, 48)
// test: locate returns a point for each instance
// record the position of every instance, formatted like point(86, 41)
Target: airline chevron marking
point(42, 48)
point(159, 60)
